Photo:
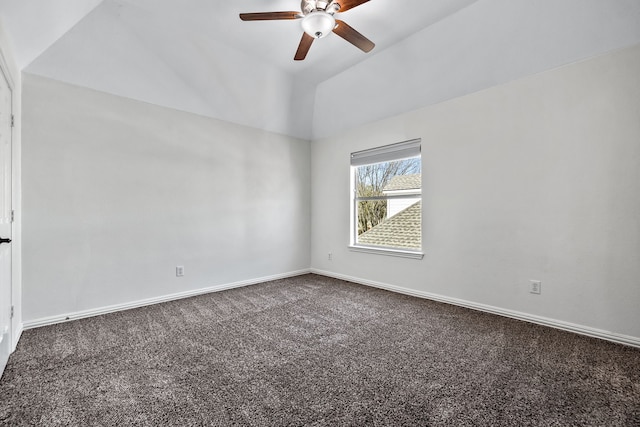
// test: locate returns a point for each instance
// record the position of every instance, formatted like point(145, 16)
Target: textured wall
point(117, 193)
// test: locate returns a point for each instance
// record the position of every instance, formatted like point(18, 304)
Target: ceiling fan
point(317, 22)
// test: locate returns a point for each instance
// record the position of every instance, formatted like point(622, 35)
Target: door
point(5, 221)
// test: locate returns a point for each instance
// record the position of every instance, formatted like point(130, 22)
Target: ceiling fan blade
point(348, 4)
point(269, 16)
point(303, 47)
point(352, 36)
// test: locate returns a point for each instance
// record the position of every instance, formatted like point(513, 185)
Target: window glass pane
point(370, 214)
point(388, 204)
point(372, 179)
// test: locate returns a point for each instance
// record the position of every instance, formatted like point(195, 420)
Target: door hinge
point(12, 312)
point(13, 215)
point(13, 121)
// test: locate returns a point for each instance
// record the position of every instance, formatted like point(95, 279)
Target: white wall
point(118, 192)
point(11, 68)
point(535, 179)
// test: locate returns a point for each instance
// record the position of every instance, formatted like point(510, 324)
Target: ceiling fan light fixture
point(318, 24)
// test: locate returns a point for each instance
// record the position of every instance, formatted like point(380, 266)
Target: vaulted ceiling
point(198, 56)
point(164, 24)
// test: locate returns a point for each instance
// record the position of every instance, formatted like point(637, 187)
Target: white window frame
point(398, 151)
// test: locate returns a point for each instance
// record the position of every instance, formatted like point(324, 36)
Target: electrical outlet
point(535, 287)
point(330, 257)
point(180, 271)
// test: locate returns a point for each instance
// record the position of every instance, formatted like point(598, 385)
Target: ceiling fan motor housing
point(308, 6)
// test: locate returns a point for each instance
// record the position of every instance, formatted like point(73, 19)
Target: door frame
point(15, 328)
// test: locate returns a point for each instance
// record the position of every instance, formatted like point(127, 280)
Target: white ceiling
point(36, 25)
point(198, 56)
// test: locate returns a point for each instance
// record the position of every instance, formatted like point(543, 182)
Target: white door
point(5, 221)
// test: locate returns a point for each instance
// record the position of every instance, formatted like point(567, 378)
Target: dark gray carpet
point(315, 351)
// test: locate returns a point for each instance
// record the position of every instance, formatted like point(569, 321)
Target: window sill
point(385, 251)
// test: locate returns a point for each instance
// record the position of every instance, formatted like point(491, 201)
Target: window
point(386, 208)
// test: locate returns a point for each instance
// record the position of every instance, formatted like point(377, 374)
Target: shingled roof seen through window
point(404, 182)
point(403, 230)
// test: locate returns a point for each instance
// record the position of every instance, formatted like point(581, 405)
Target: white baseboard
point(30, 324)
point(545, 321)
